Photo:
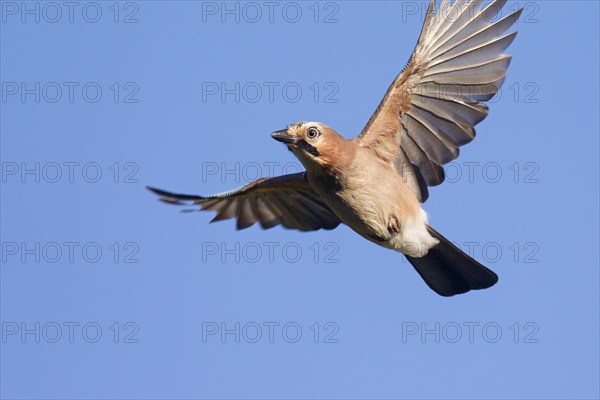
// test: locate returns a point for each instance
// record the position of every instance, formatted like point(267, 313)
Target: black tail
point(449, 271)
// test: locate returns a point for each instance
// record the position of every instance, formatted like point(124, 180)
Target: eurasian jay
point(376, 182)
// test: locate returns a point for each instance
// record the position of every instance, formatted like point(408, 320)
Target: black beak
point(282, 136)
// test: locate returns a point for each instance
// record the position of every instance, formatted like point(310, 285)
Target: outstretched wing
point(431, 108)
point(286, 200)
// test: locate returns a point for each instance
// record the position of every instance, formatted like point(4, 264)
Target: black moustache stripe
point(302, 144)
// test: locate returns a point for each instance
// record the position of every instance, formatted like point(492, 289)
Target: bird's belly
point(371, 216)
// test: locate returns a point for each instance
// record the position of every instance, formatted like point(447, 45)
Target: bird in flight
point(376, 182)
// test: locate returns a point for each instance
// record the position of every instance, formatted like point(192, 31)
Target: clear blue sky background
point(381, 332)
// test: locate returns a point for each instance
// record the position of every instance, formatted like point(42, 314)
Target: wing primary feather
point(475, 54)
point(480, 74)
point(479, 26)
point(447, 20)
point(483, 35)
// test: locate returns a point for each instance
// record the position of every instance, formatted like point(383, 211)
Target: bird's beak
point(282, 136)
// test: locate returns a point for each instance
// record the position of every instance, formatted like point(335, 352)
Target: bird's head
point(315, 144)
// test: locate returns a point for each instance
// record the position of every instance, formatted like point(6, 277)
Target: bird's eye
point(312, 133)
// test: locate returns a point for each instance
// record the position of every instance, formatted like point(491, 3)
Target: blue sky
point(107, 293)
